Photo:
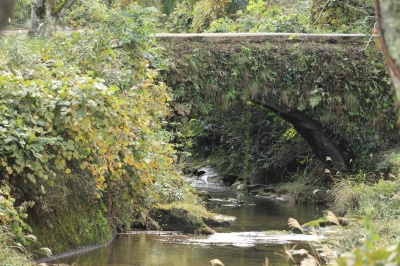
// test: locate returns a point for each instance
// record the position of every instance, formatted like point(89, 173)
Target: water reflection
point(250, 239)
point(152, 250)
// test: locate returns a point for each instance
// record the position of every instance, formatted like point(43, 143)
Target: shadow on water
point(245, 242)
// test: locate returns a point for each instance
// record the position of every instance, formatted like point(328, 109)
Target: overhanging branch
point(322, 145)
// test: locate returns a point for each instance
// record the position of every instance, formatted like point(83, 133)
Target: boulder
point(230, 179)
point(178, 219)
point(213, 222)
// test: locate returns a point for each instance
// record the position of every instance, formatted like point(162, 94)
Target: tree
point(6, 11)
point(44, 16)
point(388, 17)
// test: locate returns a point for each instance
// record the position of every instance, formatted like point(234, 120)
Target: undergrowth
point(10, 256)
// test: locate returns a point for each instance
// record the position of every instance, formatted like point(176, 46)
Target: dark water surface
point(245, 242)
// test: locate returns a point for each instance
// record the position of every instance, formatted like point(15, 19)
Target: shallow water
point(245, 242)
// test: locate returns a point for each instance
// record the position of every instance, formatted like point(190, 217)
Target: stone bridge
point(333, 88)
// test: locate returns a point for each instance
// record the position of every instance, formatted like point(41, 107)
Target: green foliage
point(204, 12)
point(81, 120)
point(79, 220)
point(13, 217)
point(16, 238)
point(10, 256)
point(379, 200)
point(263, 18)
point(370, 251)
point(290, 133)
point(223, 25)
point(303, 184)
point(22, 13)
point(168, 6)
point(87, 13)
point(365, 256)
point(180, 19)
point(389, 163)
point(270, 16)
point(72, 122)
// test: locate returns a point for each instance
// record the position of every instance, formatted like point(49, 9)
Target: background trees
point(44, 15)
point(211, 15)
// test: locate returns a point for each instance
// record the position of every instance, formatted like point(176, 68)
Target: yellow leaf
point(31, 178)
point(83, 165)
point(60, 164)
point(9, 170)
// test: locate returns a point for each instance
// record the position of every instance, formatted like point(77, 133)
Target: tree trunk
point(6, 12)
point(388, 16)
point(44, 16)
point(322, 145)
point(43, 23)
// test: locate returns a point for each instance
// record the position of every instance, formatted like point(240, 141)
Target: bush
point(81, 118)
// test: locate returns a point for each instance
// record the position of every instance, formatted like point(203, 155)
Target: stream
point(259, 231)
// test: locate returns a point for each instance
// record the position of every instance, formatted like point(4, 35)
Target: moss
point(72, 228)
point(69, 216)
point(278, 232)
point(316, 223)
point(324, 222)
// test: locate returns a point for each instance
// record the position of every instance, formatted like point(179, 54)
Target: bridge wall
point(338, 81)
point(260, 37)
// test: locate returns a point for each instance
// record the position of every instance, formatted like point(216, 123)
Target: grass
point(10, 256)
point(320, 253)
point(300, 190)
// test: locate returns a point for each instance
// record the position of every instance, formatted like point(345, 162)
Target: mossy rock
point(178, 219)
point(218, 220)
point(323, 222)
point(205, 231)
point(277, 232)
